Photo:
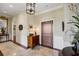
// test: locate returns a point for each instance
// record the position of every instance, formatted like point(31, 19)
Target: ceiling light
point(10, 5)
point(4, 11)
point(30, 8)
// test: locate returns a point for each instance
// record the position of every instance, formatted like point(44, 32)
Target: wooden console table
point(33, 41)
point(7, 36)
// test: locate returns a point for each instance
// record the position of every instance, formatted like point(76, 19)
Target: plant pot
point(75, 48)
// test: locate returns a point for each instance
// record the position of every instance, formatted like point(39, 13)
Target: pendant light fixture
point(30, 8)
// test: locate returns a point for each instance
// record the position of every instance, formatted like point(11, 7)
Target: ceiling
point(11, 9)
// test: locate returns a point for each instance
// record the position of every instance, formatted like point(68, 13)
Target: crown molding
point(48, 10)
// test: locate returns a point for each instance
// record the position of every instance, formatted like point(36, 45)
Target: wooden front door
point(47, 33)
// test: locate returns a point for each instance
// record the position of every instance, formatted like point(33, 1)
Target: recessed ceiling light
point(4, 11)
point(11, 6)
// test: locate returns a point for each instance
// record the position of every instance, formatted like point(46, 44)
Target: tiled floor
point(11, 49)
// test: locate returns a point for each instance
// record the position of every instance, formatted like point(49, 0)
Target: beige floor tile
point(11, 49)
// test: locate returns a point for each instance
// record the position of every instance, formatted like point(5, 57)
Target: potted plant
point(75, 41)
point(76, 35)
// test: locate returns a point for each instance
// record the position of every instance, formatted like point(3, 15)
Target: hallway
point(11, 49)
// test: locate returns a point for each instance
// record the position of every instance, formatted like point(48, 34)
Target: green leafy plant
point(76, 24)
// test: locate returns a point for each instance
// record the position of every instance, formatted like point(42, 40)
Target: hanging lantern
point(30, 8)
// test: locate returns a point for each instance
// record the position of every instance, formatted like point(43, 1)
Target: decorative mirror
point(3, 24)
point(21, 27)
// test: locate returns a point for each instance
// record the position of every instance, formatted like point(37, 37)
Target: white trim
point(46, 20)
point(52, 9)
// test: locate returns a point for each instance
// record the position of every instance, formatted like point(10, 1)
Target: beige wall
point(67, 36)
point(31, 19)
point(35, 20)
point(25, 20)
point(60, 39)
point(21, 36)
point(57, 17)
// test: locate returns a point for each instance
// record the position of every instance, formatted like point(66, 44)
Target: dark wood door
point(47, 33)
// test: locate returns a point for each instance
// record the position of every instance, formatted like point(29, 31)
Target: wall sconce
point(30, 29)
point(62, 25)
